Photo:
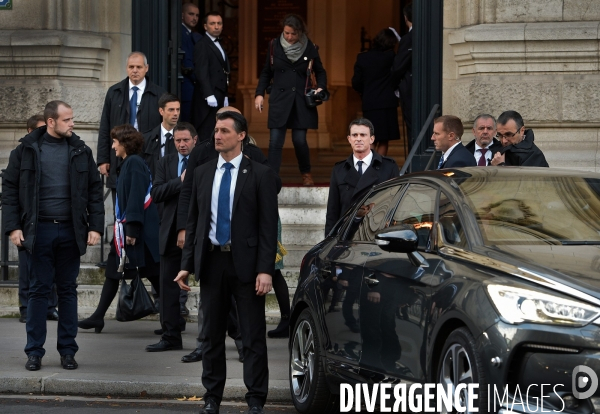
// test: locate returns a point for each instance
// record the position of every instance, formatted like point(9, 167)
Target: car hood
point(575, 266)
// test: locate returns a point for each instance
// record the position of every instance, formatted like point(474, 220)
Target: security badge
point(244, 171)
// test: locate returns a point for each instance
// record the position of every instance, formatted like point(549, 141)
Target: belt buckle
point(226, 248)
point(56, 221)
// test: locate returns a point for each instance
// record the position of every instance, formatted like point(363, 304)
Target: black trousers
point(219, 281)
point(170, 317)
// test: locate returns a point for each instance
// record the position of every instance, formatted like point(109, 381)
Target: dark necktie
point(482, 161)
point(223, 213)
point(168, 145)
point(360, 170)
point(441, 162)
point(183, 164)
point(217, 39)
point(133, 106)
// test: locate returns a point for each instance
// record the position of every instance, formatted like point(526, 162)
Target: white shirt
point(163, 139)
point(217, 44)
point(366, 161)
point(187, 28)
point(214, 201)
point(488, 154)
point(447, 153)
point(141, 88)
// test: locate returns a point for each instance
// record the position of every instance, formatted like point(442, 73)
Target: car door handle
point(371, 280)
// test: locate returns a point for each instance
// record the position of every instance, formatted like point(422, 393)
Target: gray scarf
point(295, 51)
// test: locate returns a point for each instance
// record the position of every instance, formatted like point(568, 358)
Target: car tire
point(459, 362)
point(308, 386)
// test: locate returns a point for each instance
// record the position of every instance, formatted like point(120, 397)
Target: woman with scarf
point(288, 59)
point(136, 228)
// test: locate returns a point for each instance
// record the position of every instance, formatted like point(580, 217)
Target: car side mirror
point(399, 239)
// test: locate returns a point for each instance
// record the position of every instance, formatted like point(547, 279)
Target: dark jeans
point(300, 146)
point(55, 248)
point(24, 270)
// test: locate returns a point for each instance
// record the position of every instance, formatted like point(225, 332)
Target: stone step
point(291, 196)
point(302, 234)
point(295, 255)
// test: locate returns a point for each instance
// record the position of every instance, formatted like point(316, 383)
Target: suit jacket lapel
point(242, 175)
point(173, 164)
point(352, 176)
point(215, 49)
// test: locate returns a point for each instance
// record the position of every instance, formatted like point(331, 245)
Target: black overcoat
point(525, 153)
point(165, 193)
point(346, 186)
point(374, 80)
point(289, 82)
point(116, 112)
point(132, 185)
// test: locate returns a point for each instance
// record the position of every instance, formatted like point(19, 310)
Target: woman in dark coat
point(374, 80)
point(137, 219)
point(291, 54)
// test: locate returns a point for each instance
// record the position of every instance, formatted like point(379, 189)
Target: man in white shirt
point(485, 144)
point(159, 141)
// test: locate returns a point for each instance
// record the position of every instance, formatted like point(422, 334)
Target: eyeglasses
point(507, 135)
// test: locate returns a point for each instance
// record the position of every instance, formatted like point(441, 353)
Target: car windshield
point(535, 209)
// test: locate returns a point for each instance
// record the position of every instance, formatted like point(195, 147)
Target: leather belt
point(49, 220)
point(214, 247)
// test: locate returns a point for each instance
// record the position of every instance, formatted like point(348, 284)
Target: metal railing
point(417, 142)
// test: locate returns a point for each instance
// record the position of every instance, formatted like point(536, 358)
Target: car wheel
point(309, 389)
point(460, 363)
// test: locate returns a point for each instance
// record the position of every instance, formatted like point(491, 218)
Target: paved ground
point(114, 364)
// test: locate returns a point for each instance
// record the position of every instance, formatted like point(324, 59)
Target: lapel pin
point(305, 58)
point(244, 171)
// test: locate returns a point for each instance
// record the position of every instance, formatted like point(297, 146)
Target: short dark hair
point(484, 116)
point(166, 98)
point(408, 12)
point(385, 40)
point(239, 122)
point(363, 122)
point(129, 137)
point(451, 123)
point(508, 115)
point(51, 109)
point(212, 13)
point(185, 126)
point(295, 22)
point(33, 121)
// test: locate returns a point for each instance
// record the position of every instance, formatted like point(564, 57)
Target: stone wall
point(538, 57)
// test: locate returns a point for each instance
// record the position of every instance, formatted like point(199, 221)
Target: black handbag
point(134, 301)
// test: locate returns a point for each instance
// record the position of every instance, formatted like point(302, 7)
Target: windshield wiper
point(580, 242)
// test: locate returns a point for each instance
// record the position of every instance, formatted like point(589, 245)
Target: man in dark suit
point(159, 142)
point(447, 132)
point(211, 68)
point(403, 64)
point(170, 173)
point(355, 175)
point(133, 101)
point(231, 242)
point(485, 144)
point(189, 19)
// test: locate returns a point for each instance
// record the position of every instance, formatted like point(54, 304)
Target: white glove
point(397, 93)
point(226, 103)
point(212, 101)
point(395, 33)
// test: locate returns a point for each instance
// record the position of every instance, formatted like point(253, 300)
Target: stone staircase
point(302, 212)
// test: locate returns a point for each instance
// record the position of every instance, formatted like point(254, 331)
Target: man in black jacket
point(517, 142)
point(446, 137)
point(355, 175)
point(52, 202)
point(485, 144)
point(133, 101)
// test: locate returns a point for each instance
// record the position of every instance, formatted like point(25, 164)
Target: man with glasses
point(517, 142)
point(485, 144)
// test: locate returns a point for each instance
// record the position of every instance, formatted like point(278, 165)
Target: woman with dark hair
point(374, 80)
point(287, 65)
point(136, 228)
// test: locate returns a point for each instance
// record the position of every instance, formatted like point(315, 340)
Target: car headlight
point(517, 305)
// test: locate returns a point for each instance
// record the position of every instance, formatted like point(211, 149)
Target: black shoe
point(158, 331)
point(97, 324)
point(52, 315)
point(241, 354)
point(23, 318)
point(195, 356)
point(34, 363)
point(282, 330)
point(102, 264)
point(210, 407)
point(162, 345)
point(68, 362)
point(183, 310)
point(256, 409)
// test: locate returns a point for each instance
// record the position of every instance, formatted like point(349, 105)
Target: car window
point(452, 229)
point(417, 207)
point(368, 218)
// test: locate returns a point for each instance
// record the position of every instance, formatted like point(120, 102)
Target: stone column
point(71, 50)
point(538, 57)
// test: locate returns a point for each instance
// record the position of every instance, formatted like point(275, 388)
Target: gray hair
point(138, 54)
point(484, 116)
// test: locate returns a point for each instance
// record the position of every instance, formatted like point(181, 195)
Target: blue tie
point(223, 219)
point(133, 106)
point(441, 162)
point(183, 164)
